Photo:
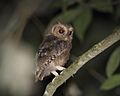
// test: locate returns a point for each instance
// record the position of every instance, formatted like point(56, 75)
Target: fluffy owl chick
point(54, 51)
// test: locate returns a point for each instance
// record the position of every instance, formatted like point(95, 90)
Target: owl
point(54, 51)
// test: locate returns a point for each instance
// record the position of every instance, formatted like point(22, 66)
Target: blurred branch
point(40, 26)
point(80, 61)
point(19, 18)
point(97, 75)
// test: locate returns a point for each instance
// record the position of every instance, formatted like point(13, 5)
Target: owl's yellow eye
point(61, 31)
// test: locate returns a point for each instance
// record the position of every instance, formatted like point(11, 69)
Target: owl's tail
point(39, 75)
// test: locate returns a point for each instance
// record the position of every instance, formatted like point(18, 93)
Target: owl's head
point(62, 31)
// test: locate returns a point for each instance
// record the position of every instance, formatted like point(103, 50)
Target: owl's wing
point(52, 47)
point(46, 46)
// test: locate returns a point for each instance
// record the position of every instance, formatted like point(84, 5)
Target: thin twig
point(97, 75)
point(40, 26)
point(82, 60)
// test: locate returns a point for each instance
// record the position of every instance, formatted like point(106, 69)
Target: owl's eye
point(61, 31)
point(70, 32)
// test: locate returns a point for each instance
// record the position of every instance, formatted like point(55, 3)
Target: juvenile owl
point(54, 51)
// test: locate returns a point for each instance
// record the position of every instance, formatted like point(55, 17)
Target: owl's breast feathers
point(52, 52)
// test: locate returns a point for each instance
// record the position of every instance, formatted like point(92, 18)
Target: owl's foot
point(55, 73)
point(60, 68)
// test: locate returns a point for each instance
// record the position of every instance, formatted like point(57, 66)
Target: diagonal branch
point(80, 61)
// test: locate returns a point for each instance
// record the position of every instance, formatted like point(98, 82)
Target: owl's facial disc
point(62, 31)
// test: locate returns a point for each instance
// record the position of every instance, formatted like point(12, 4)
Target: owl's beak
point(66, 39)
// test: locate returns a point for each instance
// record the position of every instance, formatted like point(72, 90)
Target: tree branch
point(80, 61)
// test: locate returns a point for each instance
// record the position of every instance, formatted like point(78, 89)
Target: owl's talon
point(55, 73)
point(60, 68)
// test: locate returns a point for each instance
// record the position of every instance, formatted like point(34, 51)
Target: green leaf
point(113, 62)
point(82, 22)
point(118, 10)
point(67, 16)
point(102, 5)
point(111, 82)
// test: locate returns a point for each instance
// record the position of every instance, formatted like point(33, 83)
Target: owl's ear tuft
point(58, 22)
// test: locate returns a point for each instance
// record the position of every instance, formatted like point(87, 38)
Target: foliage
point(113, 80)
point(103, 5)
point(93, 20)
point(113, 62)
point(82, 22)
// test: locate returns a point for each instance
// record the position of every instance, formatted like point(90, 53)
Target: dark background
point(26, 21)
